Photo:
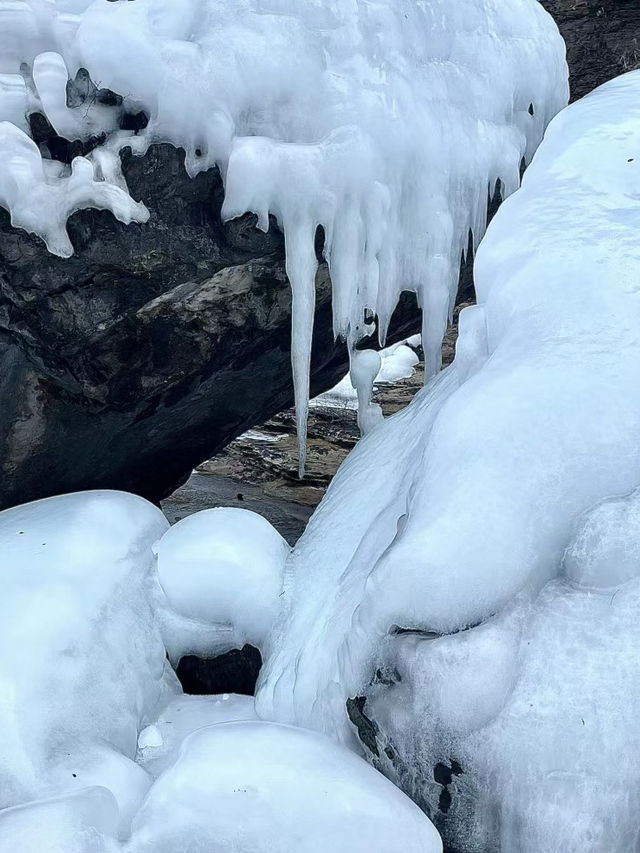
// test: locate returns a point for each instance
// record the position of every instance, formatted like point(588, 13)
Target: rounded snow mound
point(224, 566)
point(257, 787)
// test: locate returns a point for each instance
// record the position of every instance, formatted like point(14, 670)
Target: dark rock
point(156, 345)
point(235, 671)
point(602, 36)
point(153, 346)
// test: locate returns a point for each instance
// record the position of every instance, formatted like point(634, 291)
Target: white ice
point(160, 743)
point(396, 362)
point(82, 665)
point(220, 573)
point(386, 123)
point(460, 509)
point(256, 787)
point(82, 822)
point(100, 752)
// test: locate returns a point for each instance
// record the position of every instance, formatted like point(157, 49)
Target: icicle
point(384, 130)
point(302, 266)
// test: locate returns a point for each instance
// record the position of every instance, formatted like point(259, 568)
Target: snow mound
point(255, 787)
point(83, 664)
point(385, 123)
point(453, 518)
point(220, 571)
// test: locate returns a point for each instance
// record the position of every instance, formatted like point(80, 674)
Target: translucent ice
point(84, 822)
point(606, 551)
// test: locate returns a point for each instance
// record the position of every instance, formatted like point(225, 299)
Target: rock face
point(602, 36)
point(152, 347)
point(155, 345)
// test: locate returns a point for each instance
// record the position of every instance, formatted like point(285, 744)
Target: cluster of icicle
point(386, 123)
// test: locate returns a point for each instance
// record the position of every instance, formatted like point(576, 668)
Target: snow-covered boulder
point(82, 664)
point(386, 125)
point(453, 519)
point(256, 787)
point(220, 573)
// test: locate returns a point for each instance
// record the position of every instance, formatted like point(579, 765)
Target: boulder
point(153, 346)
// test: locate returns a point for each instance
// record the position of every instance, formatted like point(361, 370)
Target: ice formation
point(100, 752)
point(396, 362)
point(385, 123)
point(82, 822)
point(220, 573)
point(458, 511)
point(82, 662)
point(256, 787)
point(159, 744)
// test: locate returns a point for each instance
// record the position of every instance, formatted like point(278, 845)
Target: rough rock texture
point(151, 348)
point(602, 36)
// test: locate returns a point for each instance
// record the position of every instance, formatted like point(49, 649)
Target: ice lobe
point(385, 123)
point(159, 744)
point(255, 787)
point(447, 513)
point(606, 551)
point(83, 666)
point(220, 576)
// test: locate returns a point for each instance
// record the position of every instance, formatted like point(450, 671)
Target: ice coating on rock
point(453, 510)
point(256, 787)
point(385, 123)
point(82, 663)
point(220, 572)
point(537, 709)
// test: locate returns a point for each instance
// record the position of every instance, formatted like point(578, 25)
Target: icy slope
point(386, 123)
point(445, 514)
